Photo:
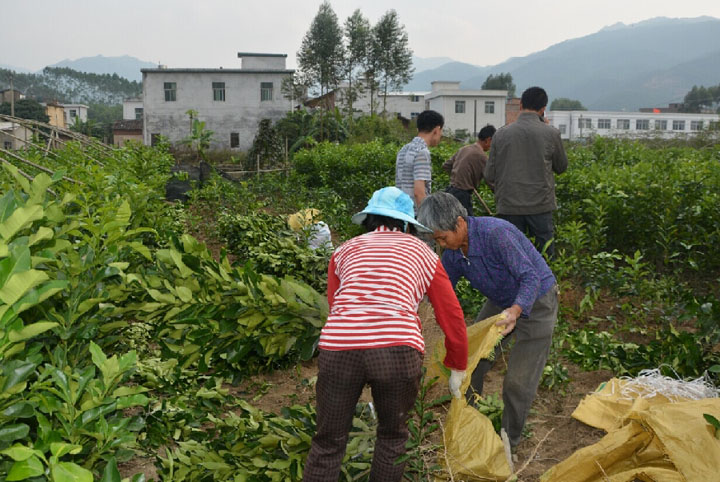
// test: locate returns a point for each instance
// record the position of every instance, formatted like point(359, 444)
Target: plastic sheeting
point(473, 451)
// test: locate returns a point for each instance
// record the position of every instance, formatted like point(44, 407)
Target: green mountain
point(621, 67)
point(70, 86)
point(124, 66)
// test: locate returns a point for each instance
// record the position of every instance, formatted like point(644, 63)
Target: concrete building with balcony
point(231, 102)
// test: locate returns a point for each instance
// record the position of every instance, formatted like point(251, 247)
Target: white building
point(14, 135)
point(405, 104)
point(467, 110)
point(133, 109)
point(577, 124)
point(74, 112)
point(230, 101)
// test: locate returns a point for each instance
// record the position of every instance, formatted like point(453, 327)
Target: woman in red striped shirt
point(373, 334)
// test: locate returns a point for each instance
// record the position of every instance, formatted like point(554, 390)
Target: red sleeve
point(333, 282)
point(450, 317)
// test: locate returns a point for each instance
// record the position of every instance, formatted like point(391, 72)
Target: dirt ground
point(551, 409)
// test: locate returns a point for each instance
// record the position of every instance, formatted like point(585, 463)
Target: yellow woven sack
point(473, 451)
point(303, 219)
point(607, 408)
point(662, 443)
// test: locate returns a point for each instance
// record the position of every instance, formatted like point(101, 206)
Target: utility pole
point(12, 95)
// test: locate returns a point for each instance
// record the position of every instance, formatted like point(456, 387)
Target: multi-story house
point(231, 102)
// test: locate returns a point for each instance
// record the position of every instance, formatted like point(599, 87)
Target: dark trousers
point(533, 336)
point(393, 374)
point(464, 196)
point(538, 226)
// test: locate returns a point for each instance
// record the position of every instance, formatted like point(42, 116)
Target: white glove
point(456, 379)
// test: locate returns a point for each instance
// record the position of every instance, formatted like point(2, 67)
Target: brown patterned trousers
point(393, 374)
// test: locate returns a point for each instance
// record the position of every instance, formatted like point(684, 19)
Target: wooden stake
point(483, 202)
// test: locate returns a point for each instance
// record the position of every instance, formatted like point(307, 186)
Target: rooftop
point(255, 54)
point(217, 71)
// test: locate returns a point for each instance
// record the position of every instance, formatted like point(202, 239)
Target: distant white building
point(133, 109)
point(578, 124)
point(230, 101)
point(466, 110)
point(74, 112)
point(404, 104)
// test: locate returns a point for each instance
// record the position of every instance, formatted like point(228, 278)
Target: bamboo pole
point(26, 175)
point(39, 167)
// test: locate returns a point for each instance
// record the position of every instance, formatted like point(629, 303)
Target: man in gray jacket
point(523, 157)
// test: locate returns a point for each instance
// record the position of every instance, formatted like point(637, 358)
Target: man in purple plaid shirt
point(500, 262)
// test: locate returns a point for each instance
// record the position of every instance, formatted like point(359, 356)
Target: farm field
point(142, 339)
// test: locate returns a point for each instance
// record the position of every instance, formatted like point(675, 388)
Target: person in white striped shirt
point(373, 335)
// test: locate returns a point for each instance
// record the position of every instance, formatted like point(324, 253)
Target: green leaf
point(10, 433)
point(21, 218)
point(18, 452)
point(714, 422)
point(38, 295)
point(16, 371)
point(41, 234)
point(19, 410)
point(20, 283)
point(59, 449)
point(70, 472)
point(111, 472)
point(24, 469)
point(31, 330)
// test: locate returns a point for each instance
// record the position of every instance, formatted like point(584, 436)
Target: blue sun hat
point(392, 202)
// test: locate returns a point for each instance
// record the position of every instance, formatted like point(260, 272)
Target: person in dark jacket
point(524, 157)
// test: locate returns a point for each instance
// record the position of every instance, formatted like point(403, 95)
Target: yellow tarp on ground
point(473, 451)
point(657, 442)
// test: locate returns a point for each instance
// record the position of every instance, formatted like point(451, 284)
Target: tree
point(358, 34)
point(502, 81)
point(701, 97)
point(321, 54)
point(392, 56)
point(26, 109)
point(563, 103)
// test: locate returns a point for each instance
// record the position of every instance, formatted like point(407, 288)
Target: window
point(642, 124)
point(170, 91)
point(413, 115)
point(603, 123)
point(414, 98)
point(234, 139)
point(696, 125)
point(459, 106)
point(563, 128)
point(584, 123)
point(678, 125)
point(154, 139)
point(266, 91)
point(218, 91)
point(489, 107)
point(714, 126)
point(8, 145)
point(661, 125)
point(73, 113)
point(138, 113)
point(623, 124)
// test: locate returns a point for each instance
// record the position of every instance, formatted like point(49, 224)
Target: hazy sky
point(209, 33)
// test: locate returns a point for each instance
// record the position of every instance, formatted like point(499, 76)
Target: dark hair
point(374, 221)
point(534, 98)
point(486, 132)
point(429, 120)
